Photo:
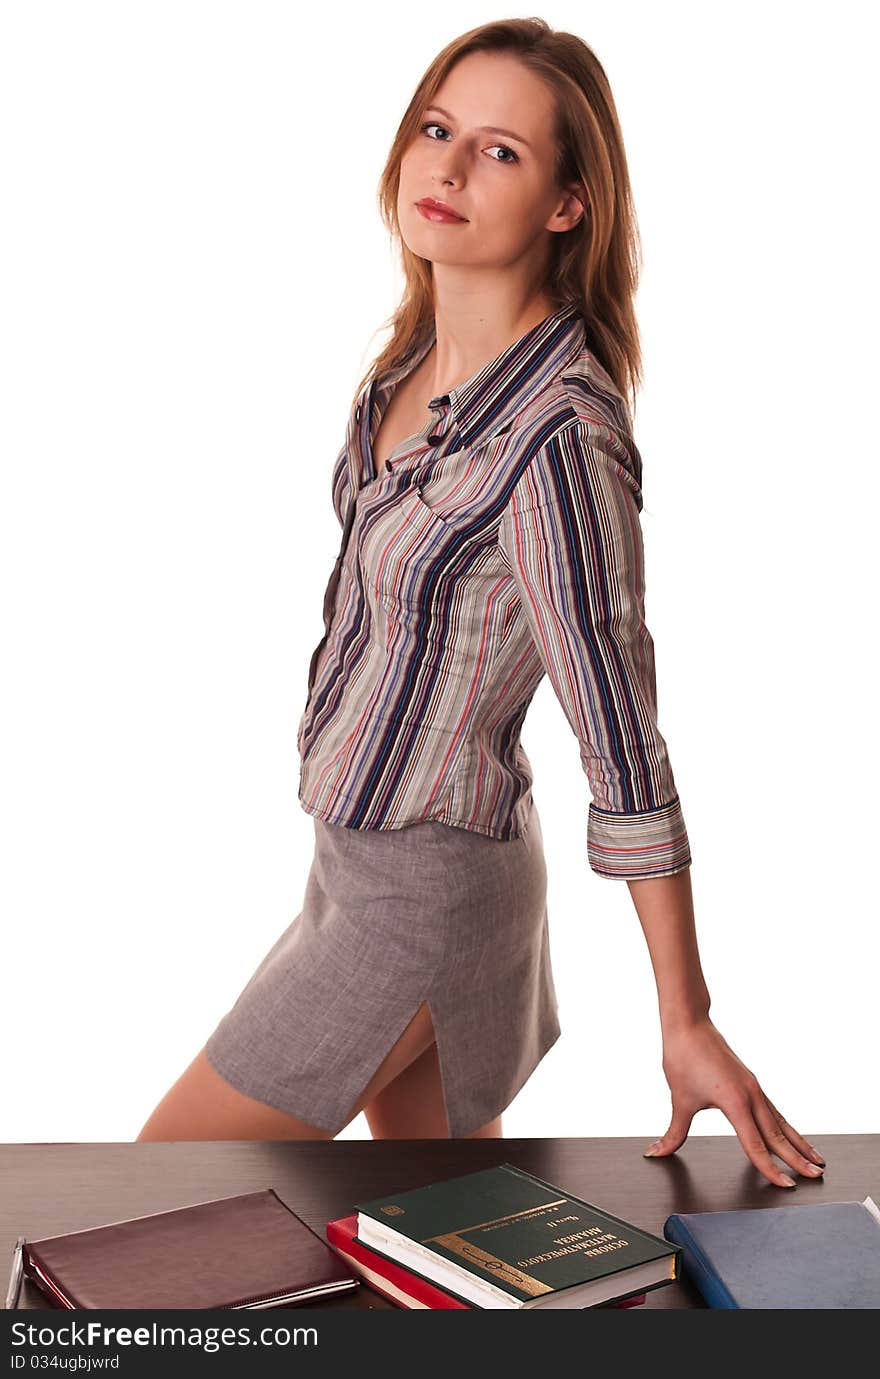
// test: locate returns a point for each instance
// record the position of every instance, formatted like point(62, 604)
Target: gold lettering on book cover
point(499, 1267)
point(491, 1263)
point(591, 1241)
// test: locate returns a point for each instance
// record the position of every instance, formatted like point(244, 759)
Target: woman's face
point(501, 183)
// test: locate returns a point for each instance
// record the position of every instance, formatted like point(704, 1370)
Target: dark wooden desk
point(46, 1189)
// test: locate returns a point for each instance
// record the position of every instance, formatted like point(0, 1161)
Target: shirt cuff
point(650, 842)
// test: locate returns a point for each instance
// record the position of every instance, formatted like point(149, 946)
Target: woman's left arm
point(700, 1066)
point(572, 539)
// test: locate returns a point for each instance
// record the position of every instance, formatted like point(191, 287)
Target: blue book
point(818, 1256)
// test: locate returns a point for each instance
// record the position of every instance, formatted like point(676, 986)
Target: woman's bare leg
point(412, 1107)
point(202, 1105)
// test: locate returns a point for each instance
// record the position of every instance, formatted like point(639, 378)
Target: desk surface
point(47, 1189)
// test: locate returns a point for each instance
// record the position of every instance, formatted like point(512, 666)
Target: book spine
point(703, 1276)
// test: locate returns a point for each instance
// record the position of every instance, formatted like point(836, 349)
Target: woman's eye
point(514, 158)
point(431, 126)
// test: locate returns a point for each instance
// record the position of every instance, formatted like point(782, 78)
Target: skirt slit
point(393, 918)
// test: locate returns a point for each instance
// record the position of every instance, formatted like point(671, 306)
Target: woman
point(489, 491)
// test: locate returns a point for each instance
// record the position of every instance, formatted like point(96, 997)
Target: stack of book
point(497, 1238)
point(501, 1238)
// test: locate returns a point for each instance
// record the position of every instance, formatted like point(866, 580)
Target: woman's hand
point(702, 1070)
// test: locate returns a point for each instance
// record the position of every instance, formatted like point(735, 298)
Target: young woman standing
point(489, 491)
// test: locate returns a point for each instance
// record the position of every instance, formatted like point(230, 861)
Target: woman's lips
point(439, 217)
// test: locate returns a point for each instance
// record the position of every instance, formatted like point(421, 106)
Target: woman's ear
point(572, 209)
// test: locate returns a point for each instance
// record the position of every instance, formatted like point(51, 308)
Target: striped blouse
point(499, 543)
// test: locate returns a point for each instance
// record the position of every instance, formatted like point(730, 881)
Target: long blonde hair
point(596, 263)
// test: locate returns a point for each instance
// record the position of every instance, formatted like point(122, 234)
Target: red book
point(398, 1283)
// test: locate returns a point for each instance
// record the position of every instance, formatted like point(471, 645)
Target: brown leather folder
point(246, 1251)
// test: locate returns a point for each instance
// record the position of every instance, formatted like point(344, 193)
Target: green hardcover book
point(502, 1237)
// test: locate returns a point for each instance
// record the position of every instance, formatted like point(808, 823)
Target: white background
point(193, 277)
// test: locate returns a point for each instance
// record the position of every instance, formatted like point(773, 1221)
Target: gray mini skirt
point(391, 918)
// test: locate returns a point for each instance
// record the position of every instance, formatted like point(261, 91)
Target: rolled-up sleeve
point(571, 536)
